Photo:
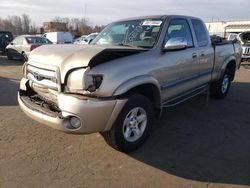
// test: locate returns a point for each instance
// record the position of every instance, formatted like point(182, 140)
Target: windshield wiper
point(127, 45)
point(124, 44)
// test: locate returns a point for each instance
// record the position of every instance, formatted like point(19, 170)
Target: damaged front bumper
point(95, 115)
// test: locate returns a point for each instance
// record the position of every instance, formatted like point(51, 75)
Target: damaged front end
point(62, 110)
point(62, 95)
point(40, 104)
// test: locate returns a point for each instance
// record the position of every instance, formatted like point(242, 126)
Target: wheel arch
point(144, 85)
point(231, 65)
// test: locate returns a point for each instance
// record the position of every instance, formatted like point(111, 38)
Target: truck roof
point(158, 17)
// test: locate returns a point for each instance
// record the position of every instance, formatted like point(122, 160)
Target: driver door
point(179, 68)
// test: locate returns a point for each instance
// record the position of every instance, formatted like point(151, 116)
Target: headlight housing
point(75, 81)
point(79, 81)
point(93, 82)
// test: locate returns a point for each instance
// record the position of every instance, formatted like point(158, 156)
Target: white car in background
point(21, 47)
point(79, 39)
point(87, 39)
point(59, 37)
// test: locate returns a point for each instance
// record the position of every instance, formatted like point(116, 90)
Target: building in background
point(54, 26)
point(223, 28)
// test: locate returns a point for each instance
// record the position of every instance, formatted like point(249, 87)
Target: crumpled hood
point(70, 56)
point(65, 57)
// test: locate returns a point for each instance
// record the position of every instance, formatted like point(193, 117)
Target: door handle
point(194, 55)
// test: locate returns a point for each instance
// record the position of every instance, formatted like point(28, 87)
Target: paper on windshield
point(152, 23)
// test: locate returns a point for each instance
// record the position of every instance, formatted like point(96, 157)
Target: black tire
point(220, 88)
point(25, 57)
point(9, 56)
point(116, 137)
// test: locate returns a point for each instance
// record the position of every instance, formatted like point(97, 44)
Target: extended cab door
point(179, 68)
point(205, 51)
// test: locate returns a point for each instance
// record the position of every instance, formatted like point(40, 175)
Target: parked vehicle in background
point(129, 72)
point(233, 36)
point(87, 39)
point(5, 38)
point(244, 38)
point(59, 37)
point(79, 39)
point(21, 46)
point(76, 37)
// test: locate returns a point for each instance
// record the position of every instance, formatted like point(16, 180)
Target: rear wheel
point(132, 126)
point(220, 88)
point(9, 56)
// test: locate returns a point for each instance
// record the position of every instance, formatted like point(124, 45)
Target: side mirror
point(176, 43)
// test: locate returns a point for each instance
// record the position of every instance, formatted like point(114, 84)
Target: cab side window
point(200, 32)
point(179, 28)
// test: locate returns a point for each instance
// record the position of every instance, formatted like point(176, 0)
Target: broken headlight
point(93, 82)
point(79, 80)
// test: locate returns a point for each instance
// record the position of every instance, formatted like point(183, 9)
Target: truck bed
point(223, 51)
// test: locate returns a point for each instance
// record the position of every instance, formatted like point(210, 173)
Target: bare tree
point(98, 28)
point(78, 26)
point(6, 24)
point(33, 29)
point(22, 25)
point(17, 23)
point(26, 23)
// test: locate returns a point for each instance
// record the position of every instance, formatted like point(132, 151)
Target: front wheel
point(132, 126)
point(220, 88)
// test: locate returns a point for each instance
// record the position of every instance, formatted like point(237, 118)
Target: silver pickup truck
point(129, 72)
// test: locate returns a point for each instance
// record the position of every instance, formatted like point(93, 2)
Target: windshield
point(134, 33)
point(245, 37)
point(38, 40)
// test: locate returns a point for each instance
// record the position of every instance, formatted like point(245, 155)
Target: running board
point(190, 94)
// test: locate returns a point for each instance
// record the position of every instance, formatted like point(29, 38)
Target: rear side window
point(179, 28)
point(37, 40)
point(200, 32)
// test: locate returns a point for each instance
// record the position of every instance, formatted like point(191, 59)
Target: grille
point(246, 50)
point(40, 104)
point(44, 77)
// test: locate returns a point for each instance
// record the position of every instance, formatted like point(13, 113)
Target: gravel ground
point(195, 144)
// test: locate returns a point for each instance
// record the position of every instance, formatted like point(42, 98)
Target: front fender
point(134, 82)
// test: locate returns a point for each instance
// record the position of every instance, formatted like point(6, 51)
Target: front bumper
point(96, 115)
point(245, 56)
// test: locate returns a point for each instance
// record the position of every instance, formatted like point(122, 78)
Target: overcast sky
point(105, 11)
